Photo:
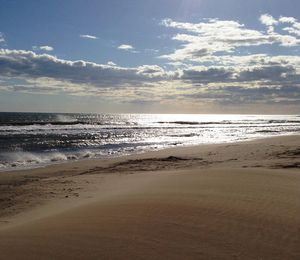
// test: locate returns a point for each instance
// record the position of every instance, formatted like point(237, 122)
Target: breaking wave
point(37, 139)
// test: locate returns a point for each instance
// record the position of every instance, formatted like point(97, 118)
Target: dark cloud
point(18, 63)
point(265, 95)
point(197, 53)
point(236, 95)
point(273, 73)
point(207, 75)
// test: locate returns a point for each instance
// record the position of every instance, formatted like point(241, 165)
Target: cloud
point(216, 72)
point(29, 72)
point(88, 36)
point(294, 27)
point(271, 73)
point(212, 37)
point(240, 96)
point(212, 64)
point(27, 64)
point(43, 48)
point(125, 47)
point(206, 75)
point(46, 48)
point(267, 95)
point(269, 21)
point(284, 19)
point(151, 71)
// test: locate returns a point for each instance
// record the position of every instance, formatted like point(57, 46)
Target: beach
point(219, 201)
point(150, 130)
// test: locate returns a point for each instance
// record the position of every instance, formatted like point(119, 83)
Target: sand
point(228, 201)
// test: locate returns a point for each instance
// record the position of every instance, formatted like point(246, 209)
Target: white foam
point(65, 118)
point(23, 159)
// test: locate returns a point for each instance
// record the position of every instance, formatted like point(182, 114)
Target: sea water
point(37, 139)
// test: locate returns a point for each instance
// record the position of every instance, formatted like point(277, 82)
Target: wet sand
point(227, 201)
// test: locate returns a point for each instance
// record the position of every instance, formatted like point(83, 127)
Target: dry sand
point(229, 201)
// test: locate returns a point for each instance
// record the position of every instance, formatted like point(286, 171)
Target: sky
point(150, 56)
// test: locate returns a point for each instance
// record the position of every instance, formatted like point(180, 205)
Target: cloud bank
point(216, 62)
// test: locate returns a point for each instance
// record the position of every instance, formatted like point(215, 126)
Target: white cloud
point(151, 71)
point(292, 30)
point(46, 48)
point(294, 27)
point(125, 47)
point(213, 36)
point(284, 19)
point(268, 20)
point(88, 36)
point(43, 48)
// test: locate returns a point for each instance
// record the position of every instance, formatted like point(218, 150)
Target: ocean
point(38, 139)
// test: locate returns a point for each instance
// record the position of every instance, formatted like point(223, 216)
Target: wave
point(231, 122)
point(284, 121)
point(66, 123)
point(29, 159)
point(41, 123)
point(267, 131)
point(134, 124)
point(192, 122)
point(37, 139)
point(185, 135)
point(19, 159)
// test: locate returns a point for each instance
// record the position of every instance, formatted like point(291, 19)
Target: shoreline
point(194, 198)
point(108, 157)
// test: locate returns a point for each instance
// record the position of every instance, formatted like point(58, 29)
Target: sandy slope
point(232, 201)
